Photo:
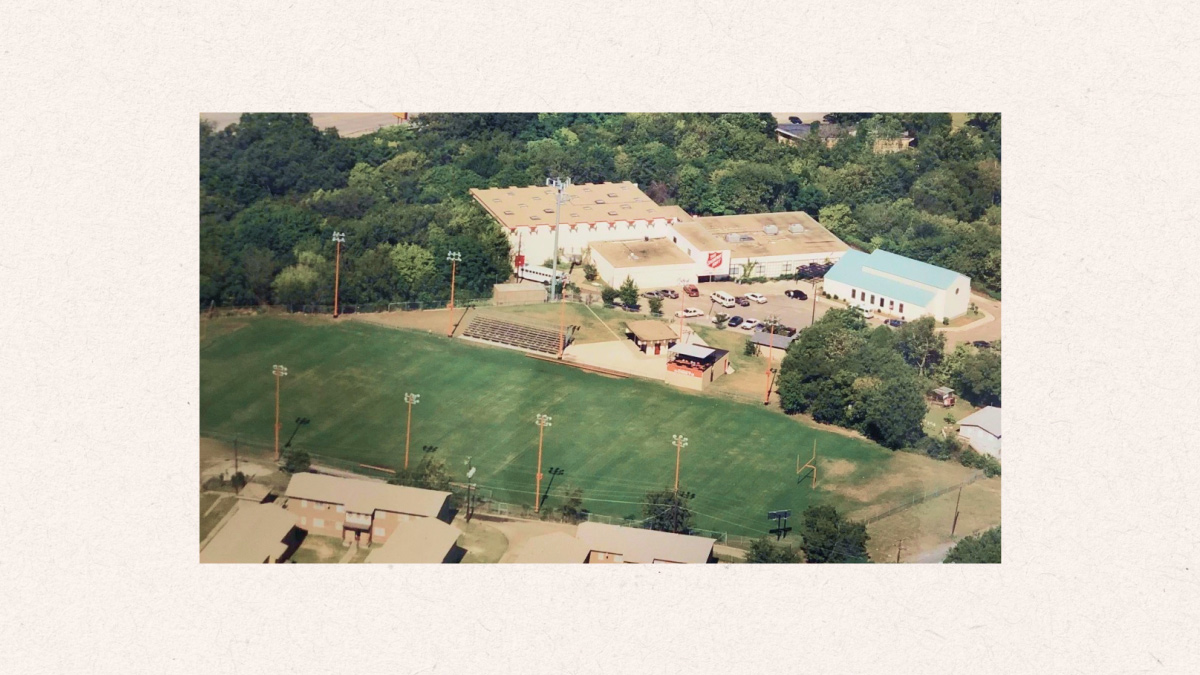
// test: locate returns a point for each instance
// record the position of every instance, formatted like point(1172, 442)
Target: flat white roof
point(694, 351)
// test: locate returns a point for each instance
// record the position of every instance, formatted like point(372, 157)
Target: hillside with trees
point(273, 188)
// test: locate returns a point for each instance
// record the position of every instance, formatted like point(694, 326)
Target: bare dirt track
point(347, 124)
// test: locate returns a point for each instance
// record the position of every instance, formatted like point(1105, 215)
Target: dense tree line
point(980, 548)
point(274, 188)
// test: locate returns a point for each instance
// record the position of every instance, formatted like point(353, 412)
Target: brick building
point(360, 510)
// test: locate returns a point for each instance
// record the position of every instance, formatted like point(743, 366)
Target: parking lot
point(791, 312)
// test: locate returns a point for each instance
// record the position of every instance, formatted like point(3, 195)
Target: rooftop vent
point(612, 213)
point(599, 201)
point(771, 230)
point(548, 210)
point(535, 217)
point(795, 228)
point(613, 195)
point(733, 238)
point(508, 213)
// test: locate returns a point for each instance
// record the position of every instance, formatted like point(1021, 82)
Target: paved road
point(933, 556)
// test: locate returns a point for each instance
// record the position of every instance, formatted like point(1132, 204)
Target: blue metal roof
point(849, 270)
point(930, 275)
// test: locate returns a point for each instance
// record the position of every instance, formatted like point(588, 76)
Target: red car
point(692, 291)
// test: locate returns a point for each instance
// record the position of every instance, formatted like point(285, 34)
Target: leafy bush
point(977, 460)
point(296, 461)
point(750, 349)
point(608, 294)
point(589, 272)
point(981, 548)
point(656, 304)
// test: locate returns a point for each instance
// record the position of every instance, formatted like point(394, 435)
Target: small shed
point(652, 335)
point(694, 366)
point(777, 344)
point(943, 396)
point(527, 293)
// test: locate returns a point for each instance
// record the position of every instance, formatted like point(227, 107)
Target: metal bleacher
point(509, 334)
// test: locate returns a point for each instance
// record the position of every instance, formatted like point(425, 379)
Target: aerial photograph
point(563, 338)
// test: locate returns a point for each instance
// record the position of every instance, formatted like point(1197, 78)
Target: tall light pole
point(770, 348)
point(682, 299)
point(279, 372)
point(560, 186)
point(410, 399)
point(338, 238)
point(542, 421)
point(814, 312)
point(454, 257)
point(680, 444)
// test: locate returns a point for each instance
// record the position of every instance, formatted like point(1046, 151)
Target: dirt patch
point(836, 468)
point(216, 458)
point(318, 549)
point(907, 474)
point(434, 321)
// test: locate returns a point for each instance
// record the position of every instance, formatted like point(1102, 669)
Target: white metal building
point(654, 263)
point(594, 212)
point(982, 430)
point(773, 244)
point(894, 285)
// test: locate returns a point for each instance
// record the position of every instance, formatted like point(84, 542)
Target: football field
point(612, 437)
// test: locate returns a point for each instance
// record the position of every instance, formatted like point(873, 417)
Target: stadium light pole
point(279, 372)
point(814, 312)
point(770, 348)
point(542, 421)
point(683, 282)
point(338, 239)
point(410, 399)
point(680, 444)
point(454, 257)
point(560, 186)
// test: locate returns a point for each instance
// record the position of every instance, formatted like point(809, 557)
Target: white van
point(723, 299)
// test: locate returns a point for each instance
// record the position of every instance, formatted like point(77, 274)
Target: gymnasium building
point(891, 284)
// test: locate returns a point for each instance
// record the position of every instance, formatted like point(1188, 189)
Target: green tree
point(980, 548)
point(238, 481)
point(656, 304)
point(297, 284)
point(668, 511)
point(414, 265)
point(921, 345)
point(763, 550)
point(572, 507)
point(629, 292)
point(589, 272)
point(608, 294)
point(750, 349)
point(296, 461)
point(829, 538)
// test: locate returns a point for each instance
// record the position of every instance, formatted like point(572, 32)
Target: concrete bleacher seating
point(509, 334)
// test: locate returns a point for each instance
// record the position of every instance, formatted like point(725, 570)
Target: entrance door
point(657, 348)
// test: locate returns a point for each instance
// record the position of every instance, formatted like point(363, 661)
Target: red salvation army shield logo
point(714, 260)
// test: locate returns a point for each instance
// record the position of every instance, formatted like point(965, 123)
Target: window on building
point(881, 301)
point(341, 509)
point(379, 531)
point(304, 503)
point(902, 308)
point(891, 304)
point(853, 294)
point(872, 298)
point(957, 290)
point(318, 522)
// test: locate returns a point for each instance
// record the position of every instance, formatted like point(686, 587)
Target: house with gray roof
point(981, 429)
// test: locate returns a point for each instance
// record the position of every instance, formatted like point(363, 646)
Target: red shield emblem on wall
point(714, 259)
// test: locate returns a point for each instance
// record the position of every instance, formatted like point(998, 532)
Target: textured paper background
point(98, 343)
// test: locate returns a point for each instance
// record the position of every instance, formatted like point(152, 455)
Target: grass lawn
point(612, 436)
point(320, 549)
point(207, 499)
point(207, 523)
point(927, 525)
point(484, 543)
point(935, 418)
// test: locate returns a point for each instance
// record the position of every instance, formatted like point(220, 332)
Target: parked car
point(749, 324)
point(795, 120)
point(735, 321)
point(652, 294)
point(668, 293)
point(692, 291)
point(982, 344)
point(894, 323)
point(742, 301)
point(867, 314)
point(689, 313)
point(722, 298)
point(796, 295)
point(757, 297)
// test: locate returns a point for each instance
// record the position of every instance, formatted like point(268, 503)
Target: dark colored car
point(735, 321)
point(894, 323)
point(982, 344)
point(798, 295)
point(692, 291)
point(795, 120)
point(742, 301)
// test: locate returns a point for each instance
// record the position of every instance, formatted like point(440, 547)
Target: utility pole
point(410, 399)
point(454, 257)
point(542, 421)
point(560, 186)
point(956, 503)
point(898, 547)
point(338, 238)
point(279, 371)
point(814, 312)
point(680, 444)
point(682, 299)
point(562, 326)
point(235, 455)
point(770, 348)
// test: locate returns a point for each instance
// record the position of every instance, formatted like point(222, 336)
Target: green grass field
point(612, 436)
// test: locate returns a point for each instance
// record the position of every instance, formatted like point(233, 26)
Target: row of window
point(891, 304)
point(318, 506)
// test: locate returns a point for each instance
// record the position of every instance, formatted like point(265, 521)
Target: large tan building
point(363, 511)
point(615, 544)
point(255, 533)
point(651, 263)
point(593, 212)
point(770, 244)
point(421, 541)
